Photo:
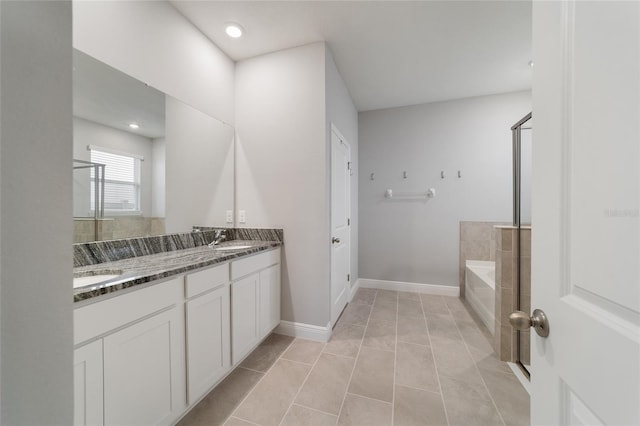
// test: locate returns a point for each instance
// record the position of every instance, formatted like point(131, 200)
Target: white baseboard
point(304, 331)
point(435, 289)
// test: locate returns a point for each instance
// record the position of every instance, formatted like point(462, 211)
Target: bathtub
point(480, 290)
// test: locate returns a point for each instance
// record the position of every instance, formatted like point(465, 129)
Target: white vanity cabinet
point(146, 355)
point(131, 371)
point(87, 384)
point(208, 329)
point(255, 301)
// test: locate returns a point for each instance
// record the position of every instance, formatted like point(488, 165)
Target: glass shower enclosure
point(522, 162)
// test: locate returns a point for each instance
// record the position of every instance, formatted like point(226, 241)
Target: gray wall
point(36, 333)
point(282, 169)
point(285, 103)
point(417, 241)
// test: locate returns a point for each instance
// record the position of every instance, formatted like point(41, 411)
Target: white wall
point(198, 167)
point(282, 169)
point(344, 115)
point(151, 41)
point(417, 241)
point(36, 333)
point(89, 133)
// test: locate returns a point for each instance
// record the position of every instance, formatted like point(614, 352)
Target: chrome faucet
point(219, 235)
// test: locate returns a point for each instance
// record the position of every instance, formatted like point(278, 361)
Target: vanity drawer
point(242, 267)
point(208, 279)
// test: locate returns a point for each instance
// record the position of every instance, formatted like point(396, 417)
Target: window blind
point(121, 181)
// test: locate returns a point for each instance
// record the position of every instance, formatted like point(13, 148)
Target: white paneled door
point(586, 190)
point(340, 223)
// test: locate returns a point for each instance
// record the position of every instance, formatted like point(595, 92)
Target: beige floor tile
point(356, 314)
point(453, 389)
point(365, 296)
point(327, 384)
point(373, 374)
point(263, 357)
point(234, 421)
point(465, 412)
point(412, 330)
point(359, 411)
point(408, 295)
point(458, 307)
point(453, 359)
point(384, 310)
point(380, 335)
point(488, 361)
point(220, 403)
point(270, 399)
point(388, 295)
point(415, 367)
point(302, 350)
point(510, 397)
point(346, 340)
point(410, 308)
point(303, 416)
point(432, 304)
point(414, 407)
point(443, 325)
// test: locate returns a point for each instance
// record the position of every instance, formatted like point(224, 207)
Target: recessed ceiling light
point(134, 125)
point(531, 63)
point(233, 30)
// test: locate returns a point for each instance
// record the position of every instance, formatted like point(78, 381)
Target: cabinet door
point(142, 372)
point(208, 341)
point(245, 333)
point(269, 299)
point(87, 384)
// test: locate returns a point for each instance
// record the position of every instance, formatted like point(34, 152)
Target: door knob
point(522, 321)
point(335, 240)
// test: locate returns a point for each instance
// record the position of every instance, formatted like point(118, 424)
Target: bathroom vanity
point(148, 348)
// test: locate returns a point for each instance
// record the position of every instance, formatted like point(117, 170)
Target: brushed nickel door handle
point(538, 320)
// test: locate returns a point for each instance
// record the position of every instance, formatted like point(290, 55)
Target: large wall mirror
point(144, 163)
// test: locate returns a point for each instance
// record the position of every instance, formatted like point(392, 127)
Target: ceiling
point(389, 53)
point(109, 97)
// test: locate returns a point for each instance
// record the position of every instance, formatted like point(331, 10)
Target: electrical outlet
point(242, 216)
point(229, 216)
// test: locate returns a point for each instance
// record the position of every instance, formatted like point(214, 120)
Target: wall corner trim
point(304, 331)
point(435, 289)
point(354, 289)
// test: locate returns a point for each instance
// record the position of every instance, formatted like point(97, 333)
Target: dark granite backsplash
point(255, 234)
point(93, 253)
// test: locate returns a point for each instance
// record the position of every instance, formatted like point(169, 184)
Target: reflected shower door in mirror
point(167, 166)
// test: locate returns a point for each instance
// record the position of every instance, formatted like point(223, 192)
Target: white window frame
point(137, 211)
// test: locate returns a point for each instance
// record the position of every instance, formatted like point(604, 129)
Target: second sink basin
point(82, 280)
point(231, 248)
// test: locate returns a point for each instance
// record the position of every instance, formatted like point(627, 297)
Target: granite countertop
point(143, 269)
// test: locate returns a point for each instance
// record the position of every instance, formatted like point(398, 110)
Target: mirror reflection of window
point(121, 181)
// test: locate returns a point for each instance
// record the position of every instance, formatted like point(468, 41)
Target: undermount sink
point(90, 278)
point(231, 248)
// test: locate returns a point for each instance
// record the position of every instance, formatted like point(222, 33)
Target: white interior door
point(586, 94)
point(340, 223)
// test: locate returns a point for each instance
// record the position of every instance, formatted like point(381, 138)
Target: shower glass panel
point(522, 162)
point(88, 198)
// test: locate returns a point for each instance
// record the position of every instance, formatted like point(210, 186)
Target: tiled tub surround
point(143, 260)
point(477, 242)
point(505, 342)
point(84, 229)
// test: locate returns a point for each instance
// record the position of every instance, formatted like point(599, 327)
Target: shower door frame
point(516, 131)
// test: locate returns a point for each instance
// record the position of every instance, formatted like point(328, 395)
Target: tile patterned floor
point(394, 358)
